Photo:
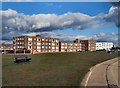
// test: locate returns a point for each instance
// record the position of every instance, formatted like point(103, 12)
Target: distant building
point(69, 47)
point(104, 45)
point(78, 45)
point(88, 45)
point(39, 44)
point(6, 47)
point(36, 44)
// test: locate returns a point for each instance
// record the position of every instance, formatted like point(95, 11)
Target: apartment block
point(69, 47)
point(36, 44)
point(39, 44)
point(104, 45)
point(88, 45)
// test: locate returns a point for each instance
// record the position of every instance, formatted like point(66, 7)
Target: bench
point(22, 58)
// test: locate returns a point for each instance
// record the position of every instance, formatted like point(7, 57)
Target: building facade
point(39, 44)
point(104, 45)
point(69, 47)
point(6, 46)
point(36, 44)
point(78, 45)
point(88, 45)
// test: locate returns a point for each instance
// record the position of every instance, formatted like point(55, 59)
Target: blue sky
point(91, 9)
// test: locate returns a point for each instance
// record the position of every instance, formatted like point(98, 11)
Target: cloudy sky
point(64, 20)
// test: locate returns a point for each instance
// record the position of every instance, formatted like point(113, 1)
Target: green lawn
point(53, 69)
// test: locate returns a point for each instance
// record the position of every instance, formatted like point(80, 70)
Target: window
point(38, 39)
point(38, 47)
point(46, 43)
point(53, 40)
point(29, 39)
point(53, 47)
point(62, 44)
point(56, 40)
point(39, 50)
point(30, 47)
point(38, 43)
point(57, 50)
point(30, 43)
point(66, 47)
point(53, 43)
point(22, 38)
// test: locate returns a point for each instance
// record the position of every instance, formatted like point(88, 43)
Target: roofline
point(35, 36)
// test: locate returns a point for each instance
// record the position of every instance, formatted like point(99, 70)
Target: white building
point(104, 45)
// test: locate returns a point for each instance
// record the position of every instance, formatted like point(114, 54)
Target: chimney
point(77, 41)
point(38, 35)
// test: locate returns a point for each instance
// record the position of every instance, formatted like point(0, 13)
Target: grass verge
point(53, 69)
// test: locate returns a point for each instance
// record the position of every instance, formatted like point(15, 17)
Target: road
point(103, 74)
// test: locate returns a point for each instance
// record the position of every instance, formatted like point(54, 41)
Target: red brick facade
point(36, 44)
point(39, 44)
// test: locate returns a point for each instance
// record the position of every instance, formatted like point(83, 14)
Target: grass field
point(53, 69)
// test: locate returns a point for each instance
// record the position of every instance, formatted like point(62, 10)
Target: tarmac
point(104, 74)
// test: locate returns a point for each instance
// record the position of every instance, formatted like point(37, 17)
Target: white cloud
point(45, 34)
point(20, 23)
point(6, 41)
point(15, 23)
point(110, 37)
point(113, 16)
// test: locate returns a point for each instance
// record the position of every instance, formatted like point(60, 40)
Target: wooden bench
point(22, 58)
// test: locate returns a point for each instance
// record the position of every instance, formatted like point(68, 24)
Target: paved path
point(103, 74)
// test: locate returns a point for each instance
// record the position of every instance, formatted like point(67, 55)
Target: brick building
point(39, 44)
point(70, 47)
point(36, 44)
point(88, 45)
